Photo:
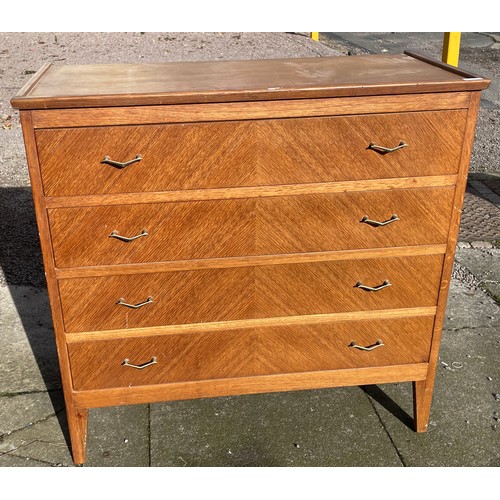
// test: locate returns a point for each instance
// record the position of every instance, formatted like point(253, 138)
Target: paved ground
point(354, 426)
point(481, 214)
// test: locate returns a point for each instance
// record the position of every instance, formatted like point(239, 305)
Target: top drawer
point(248, 153)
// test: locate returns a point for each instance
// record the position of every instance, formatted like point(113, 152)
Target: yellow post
point(451, 48)
point(315, 36)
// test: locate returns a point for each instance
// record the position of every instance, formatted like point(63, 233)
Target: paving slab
point(397, 42)
point(470, 307)
point(44, 441)
point(29, 356)
point(491, 184)
point(13, 461)
point(118, 437)
point(23, 410)
point(464, 430)
point(485, 265)
point(322, 428)
point(35, 429)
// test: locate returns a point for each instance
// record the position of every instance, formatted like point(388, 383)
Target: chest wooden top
point(223, 81)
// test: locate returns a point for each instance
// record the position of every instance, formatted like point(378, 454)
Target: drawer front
point(233, 228)
point(183, 297)
point(248, 153)
point(248, 352)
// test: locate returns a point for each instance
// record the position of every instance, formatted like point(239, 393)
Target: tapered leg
point(422, 399)
point(77, 423)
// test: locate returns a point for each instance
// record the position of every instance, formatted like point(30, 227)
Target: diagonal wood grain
point(180, 156)
point(184, 297)
point(179, 358)
point(246, 227)
point(336, 148)
point(248, 153)
point(312, 223)
point(326, 347)
point(248, 352)
point(176, 231)
point(179, 297)
point(325, 287)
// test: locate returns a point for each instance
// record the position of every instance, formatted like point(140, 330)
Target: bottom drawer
point(248, 352)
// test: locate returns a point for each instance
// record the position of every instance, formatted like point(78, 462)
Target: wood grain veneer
point(249, 352)
point(304, 319)
point(253, 180)
point(258, 110)
point(250, 385)
point(248, 292)
point(258, 260)
point(246, 227)
point(239, 153)
point(249, 192)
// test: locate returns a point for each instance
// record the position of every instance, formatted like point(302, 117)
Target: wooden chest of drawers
point(239, 227)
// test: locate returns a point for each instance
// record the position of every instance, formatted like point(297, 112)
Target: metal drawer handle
point(376, 223)
point(383, 150)
point(122, 302)
point(378, 343)
point(119, 164)
point(372, 289)
point(114, 234)
point(140, 367)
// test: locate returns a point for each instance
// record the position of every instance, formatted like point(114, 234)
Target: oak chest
point(247, 226)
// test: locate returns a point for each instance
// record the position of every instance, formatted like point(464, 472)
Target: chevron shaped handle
point(385, 284)
point(114, 234)
point(376, 223)
point(378, 343)
point(384, 150)
point(121, 302)
point(119, 164)
point(153, 361)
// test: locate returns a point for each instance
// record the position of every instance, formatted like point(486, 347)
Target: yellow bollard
point(451, 48)
point(315, 36)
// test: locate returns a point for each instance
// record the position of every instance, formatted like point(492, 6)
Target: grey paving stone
point(7, 460)
point(470, 308)
point(118, 437)
point(485, 265)
point(492, 182)
point(464, 411)
point(17, 412)
point(334, 427)
point(481, 245)
point(44, 441)
point(29, 357)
